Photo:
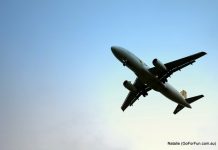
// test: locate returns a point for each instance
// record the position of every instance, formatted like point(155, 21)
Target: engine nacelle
point(129, 86)
point(160, 66)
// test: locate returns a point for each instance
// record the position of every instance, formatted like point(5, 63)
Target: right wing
point(133, 96)
point(176, 65)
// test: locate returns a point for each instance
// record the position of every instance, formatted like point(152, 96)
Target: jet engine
point(160, 66)
point(129, 86)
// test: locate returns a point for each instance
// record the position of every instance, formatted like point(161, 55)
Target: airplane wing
point(175, 66)
point(133, 96)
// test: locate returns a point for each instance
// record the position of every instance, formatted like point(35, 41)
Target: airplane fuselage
point(145, 76)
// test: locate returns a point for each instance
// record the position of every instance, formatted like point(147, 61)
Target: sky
point(61, 87)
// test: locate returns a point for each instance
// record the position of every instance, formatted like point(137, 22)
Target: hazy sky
point(61, 87)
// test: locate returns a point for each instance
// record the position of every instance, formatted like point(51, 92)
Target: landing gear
point(165, 80)
point(144, 93)
point(124, 62)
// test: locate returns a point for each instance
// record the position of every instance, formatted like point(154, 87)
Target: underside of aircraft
point(154, 78)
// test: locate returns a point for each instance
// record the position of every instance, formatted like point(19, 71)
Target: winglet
point(202, 53)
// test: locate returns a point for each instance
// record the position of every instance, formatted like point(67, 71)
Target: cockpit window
point(142, 62)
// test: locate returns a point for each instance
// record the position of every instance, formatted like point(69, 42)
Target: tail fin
point(189, 100)
point(184, 93)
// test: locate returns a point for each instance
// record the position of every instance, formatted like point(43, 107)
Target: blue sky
point(61, 87)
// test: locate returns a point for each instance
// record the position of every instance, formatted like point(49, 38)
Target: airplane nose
point(118, 52)
point(114, 50)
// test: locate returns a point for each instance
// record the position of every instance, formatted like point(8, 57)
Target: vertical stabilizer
point(184, 93)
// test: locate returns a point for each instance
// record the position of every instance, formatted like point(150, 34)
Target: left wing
point(176, 65)
point(133, 96)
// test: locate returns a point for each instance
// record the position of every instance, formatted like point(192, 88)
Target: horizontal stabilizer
point(189, 100)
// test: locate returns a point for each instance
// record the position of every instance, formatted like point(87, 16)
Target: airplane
point(154, 78)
